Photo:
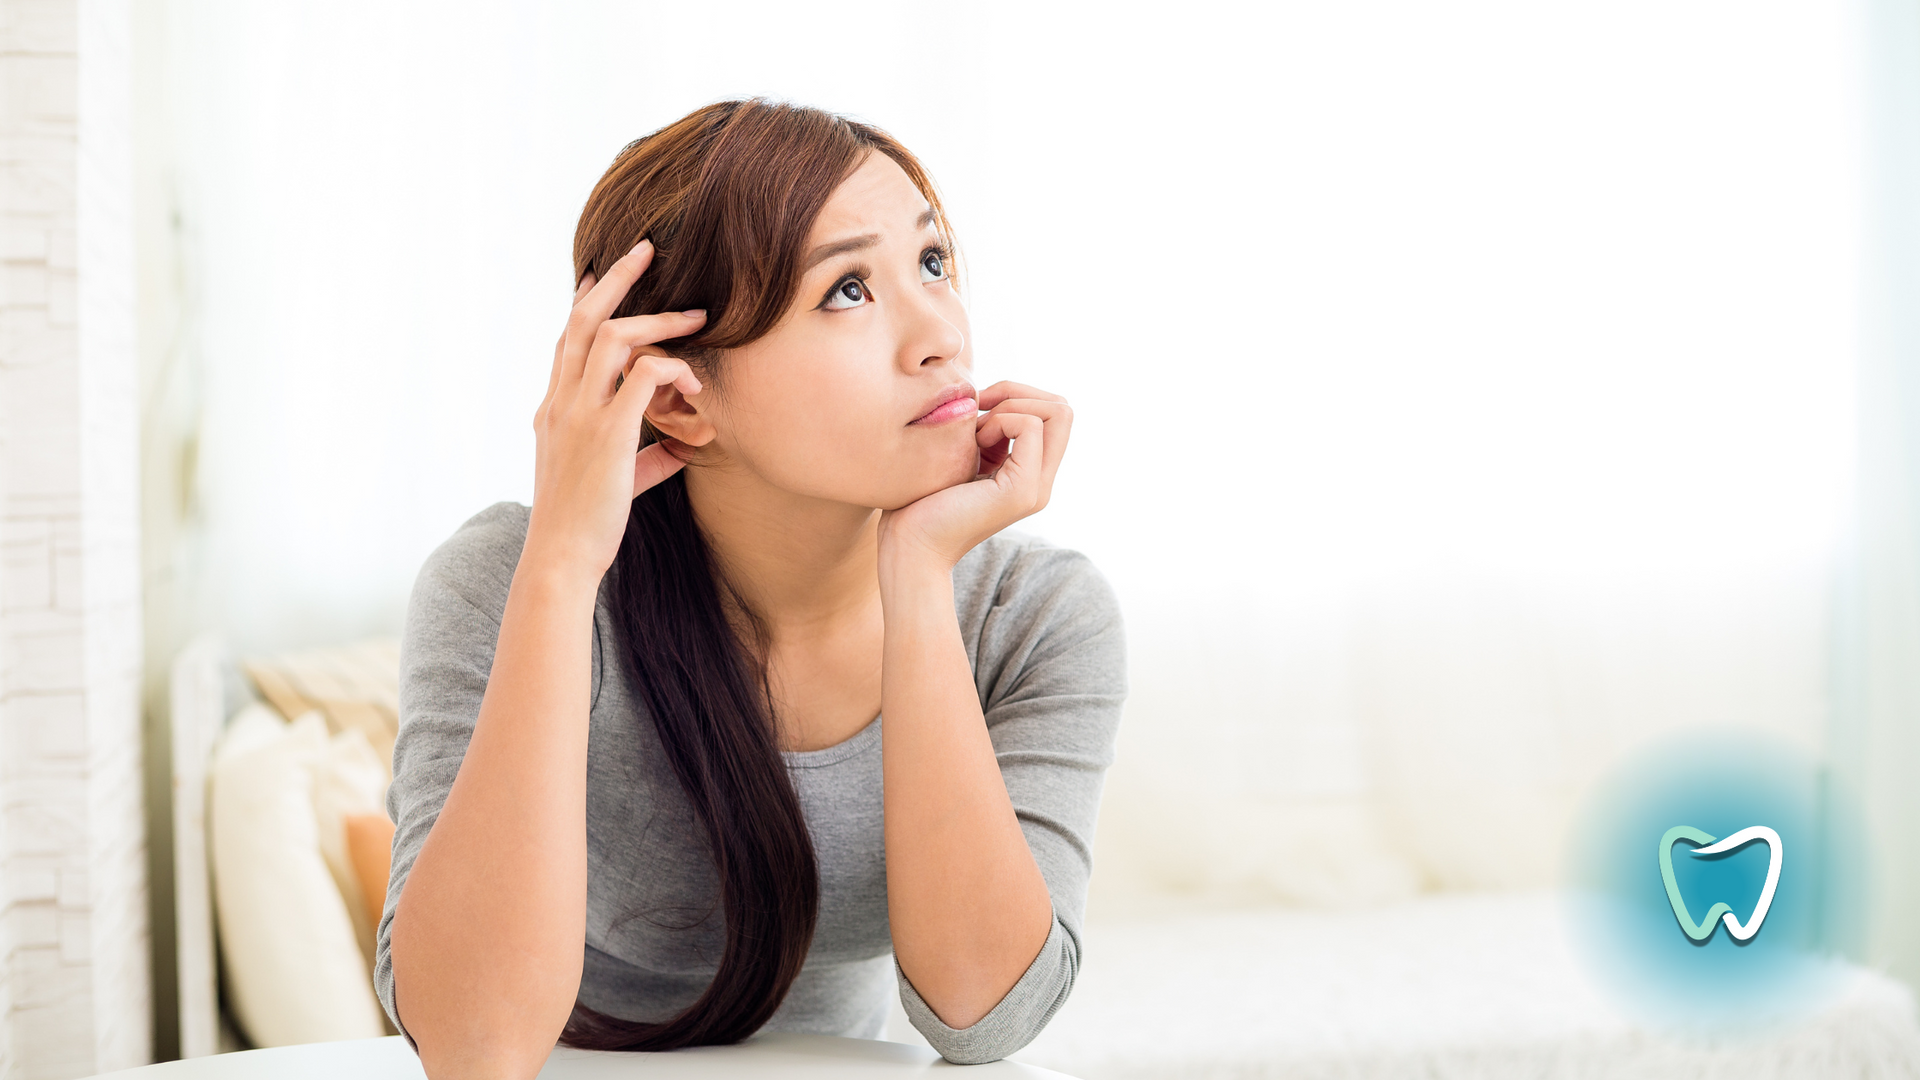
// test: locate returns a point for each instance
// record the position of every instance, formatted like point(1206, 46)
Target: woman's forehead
point(878, 196)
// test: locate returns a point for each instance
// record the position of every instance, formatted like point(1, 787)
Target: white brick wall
point(75, 987)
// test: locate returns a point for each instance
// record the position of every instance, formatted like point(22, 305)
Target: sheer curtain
point(1877, 730)
point(1465, 391)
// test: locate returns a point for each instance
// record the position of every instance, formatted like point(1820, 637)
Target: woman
point(645, 714)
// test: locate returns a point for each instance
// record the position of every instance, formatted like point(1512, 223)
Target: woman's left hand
point(1022, 434)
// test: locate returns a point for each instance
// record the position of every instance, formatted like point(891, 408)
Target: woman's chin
point(933, 479)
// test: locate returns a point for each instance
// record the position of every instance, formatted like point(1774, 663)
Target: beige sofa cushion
point(292, 960)
point(356, 687)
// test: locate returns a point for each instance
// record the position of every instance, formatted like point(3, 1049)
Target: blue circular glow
point(1628, 930)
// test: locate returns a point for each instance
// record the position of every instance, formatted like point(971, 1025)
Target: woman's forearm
point(486, 936)
point(968, 907)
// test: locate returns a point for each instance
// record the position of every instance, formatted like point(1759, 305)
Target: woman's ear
point(673, 415)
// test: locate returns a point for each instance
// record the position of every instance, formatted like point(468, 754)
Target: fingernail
point(638, 246)
point(695, 313)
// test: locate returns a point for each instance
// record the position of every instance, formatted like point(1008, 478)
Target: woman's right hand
point(588, 463)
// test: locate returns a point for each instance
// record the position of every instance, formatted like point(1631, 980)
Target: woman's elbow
point(493, 1058)
point(483, 1044)
point(483, 1032)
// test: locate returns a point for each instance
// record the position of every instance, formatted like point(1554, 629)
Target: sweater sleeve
point(446, 655)
point(1050, 666)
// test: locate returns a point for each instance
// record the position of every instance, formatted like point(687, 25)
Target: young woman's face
point(863, 392)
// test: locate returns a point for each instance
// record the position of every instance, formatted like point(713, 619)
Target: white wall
point(74, 992)
point(1449, 378)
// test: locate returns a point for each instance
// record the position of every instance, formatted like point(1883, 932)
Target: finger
point(614, 342)
point(559, 350)
point(1001, 391)
point(997, 430)
point(1057, 420)
point(653, 464)
point(560, 347)
point(1056, 427)
point(648, 374)
point(601, 298)
point(991, 436)
point(1020, 476)
point(1054, 435)
point(604, 295)
point(991, 458)
point(992, 425)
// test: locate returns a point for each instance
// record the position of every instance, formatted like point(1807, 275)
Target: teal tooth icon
point(1794, 934)
point(1720, 912)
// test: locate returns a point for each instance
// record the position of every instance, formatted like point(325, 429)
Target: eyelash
point(862, 273)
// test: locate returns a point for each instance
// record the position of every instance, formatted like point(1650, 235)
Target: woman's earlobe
point(680, 450)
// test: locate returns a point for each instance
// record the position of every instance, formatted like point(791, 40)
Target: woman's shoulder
point(1039, 621)
point(476, 563)
point(1018, 574)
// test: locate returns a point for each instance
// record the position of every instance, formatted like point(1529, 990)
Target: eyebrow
point(858, 243)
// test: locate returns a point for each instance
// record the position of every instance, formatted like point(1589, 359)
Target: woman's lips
point(952, 404)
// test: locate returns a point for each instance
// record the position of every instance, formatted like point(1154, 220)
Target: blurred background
point(1467, 394)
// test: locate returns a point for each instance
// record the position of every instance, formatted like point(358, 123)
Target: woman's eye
point(850, 293)
point(933, 266)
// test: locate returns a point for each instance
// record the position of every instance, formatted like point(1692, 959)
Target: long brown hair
point(728, 194)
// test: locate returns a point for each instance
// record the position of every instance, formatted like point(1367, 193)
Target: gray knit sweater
point(1043, 634)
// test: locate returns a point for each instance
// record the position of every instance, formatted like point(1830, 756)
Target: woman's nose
point(931, 336)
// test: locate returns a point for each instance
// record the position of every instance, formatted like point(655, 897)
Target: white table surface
point(770, 1055)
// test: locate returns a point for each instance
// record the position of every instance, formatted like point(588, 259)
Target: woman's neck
point(798, 562)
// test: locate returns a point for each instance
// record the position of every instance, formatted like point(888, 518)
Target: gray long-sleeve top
point(1044, 637)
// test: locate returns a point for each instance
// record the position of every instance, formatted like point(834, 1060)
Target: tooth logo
point(1703, 929)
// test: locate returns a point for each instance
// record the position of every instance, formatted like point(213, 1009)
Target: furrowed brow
point(841, 247)
point(859, 243)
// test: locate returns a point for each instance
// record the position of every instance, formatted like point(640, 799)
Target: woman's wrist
point(553, 574)
point(907, 568)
